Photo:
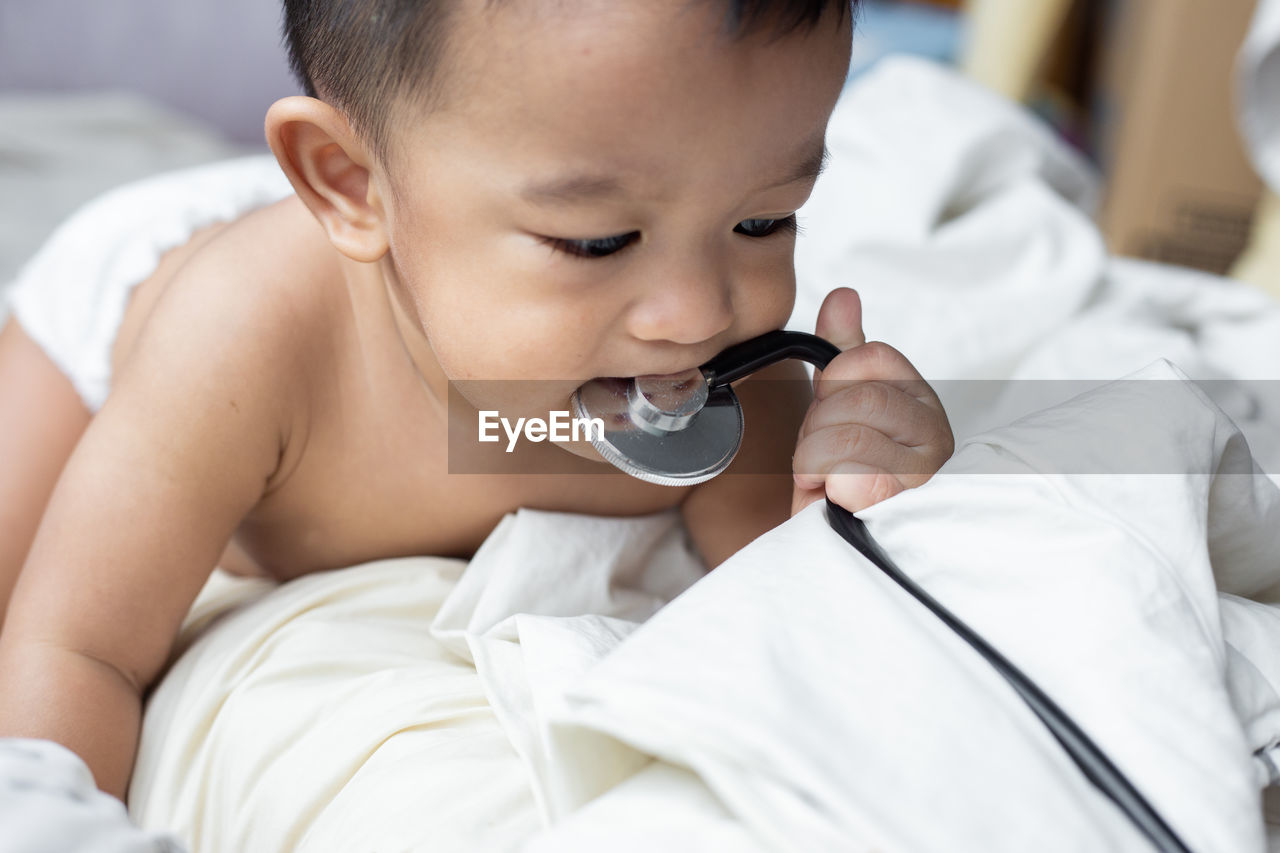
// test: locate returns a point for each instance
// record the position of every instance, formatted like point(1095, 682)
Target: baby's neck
point(395, 314)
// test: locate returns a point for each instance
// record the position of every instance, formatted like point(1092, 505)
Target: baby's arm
point(178, 455)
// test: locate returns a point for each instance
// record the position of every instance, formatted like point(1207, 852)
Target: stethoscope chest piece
point(685, 428)
point(672, 433)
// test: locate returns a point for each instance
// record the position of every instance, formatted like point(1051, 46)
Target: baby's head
point(565, 189)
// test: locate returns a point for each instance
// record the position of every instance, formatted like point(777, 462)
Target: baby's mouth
point(686, 375)
point(653, 402)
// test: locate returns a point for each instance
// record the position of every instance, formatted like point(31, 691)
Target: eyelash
point(603, 247)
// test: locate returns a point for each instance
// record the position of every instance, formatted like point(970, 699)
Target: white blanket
point(826, 710)
point(965, 227)
point(794, 699)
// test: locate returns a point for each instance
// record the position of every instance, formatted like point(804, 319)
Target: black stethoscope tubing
point(759, 352)
point(1091, 760)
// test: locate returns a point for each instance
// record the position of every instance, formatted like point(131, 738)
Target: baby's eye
point(596, 248)
point(765, 227)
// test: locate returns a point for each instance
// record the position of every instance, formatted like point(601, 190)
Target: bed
point(1111, 520)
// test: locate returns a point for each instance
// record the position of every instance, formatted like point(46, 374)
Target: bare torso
point(366, 476)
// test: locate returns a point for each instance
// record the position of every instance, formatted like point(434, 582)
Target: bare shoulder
point(242, 321)
point(257, 282)
point(754, 494)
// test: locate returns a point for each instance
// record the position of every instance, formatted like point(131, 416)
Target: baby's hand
point(875, 427)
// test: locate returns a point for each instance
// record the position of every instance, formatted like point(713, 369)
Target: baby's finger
point(855, 486)
point(821, 452)
point(840, 320)
point(801, 498)
point(851, 485)
point(873, 361)
point(883, 407)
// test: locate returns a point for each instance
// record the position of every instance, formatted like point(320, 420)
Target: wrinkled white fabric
point(963, 224)
point(827, 710)
point(48, 802)
point(495, 615)
point(794, 696)
point(951, 211)
point(321, 715)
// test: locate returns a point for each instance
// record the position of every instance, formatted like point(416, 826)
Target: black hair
point(360, 54)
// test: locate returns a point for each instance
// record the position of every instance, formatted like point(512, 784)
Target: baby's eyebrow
point(573, 188)
point(810, 167)
point(588, 187)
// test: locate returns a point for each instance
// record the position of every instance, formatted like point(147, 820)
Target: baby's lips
point(608, 399)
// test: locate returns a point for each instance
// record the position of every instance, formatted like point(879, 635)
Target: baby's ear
point(329, 167)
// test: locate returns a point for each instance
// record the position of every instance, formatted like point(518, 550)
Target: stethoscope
point(684, 429)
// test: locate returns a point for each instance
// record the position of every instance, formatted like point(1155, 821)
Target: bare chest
point(377, 479)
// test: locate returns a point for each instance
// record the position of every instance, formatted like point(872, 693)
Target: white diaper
point(71, 296)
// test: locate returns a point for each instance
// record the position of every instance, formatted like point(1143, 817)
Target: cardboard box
point(1179, 186)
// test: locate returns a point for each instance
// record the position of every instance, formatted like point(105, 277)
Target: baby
point(517, 190)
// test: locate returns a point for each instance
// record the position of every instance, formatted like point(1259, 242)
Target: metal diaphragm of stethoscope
point(685, 428)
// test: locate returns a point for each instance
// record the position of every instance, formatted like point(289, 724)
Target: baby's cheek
point(768, 292)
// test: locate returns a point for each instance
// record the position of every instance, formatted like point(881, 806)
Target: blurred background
point(99, 93)
point(1144, 89)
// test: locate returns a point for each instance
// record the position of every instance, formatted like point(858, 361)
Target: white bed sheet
point(792, 699)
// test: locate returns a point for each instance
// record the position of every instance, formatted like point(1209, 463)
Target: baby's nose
point(684, 309)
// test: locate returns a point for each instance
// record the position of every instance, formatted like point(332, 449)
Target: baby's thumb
point(840, 319)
